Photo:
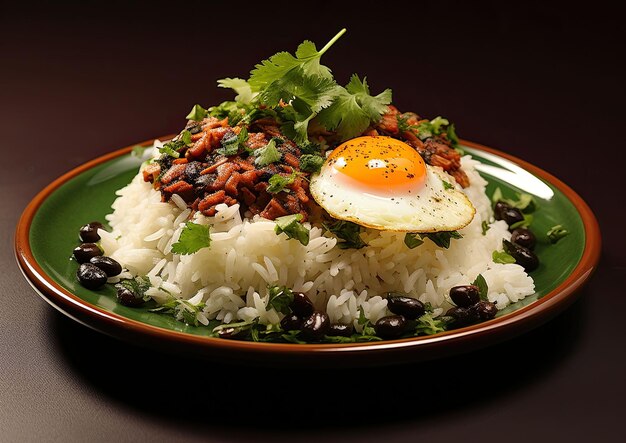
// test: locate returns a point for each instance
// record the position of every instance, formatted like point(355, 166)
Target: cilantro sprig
point(193, 237)
point(299, 90)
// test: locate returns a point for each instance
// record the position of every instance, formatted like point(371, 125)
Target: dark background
point(544, 82)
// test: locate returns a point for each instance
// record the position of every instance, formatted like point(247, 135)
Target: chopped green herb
point(485, 227)
point(447, 185)
point(348, 232)
point(138, 285)
point(185, 137)
point(197, 113)
point(523, 202)
point(363, 321)
point(192, 238)
point(240, 86)
point(280, 297)
point(442, 239)
point(278, 183)
point(454, 140)
point(182, 310)
point(427, 325)
point(483, 288)
point(556, 233)
point(411, 240)
point(502, 257)
point(311, 163)
point(291, 226)
point(353, 108)
point(528, 219)
point(267, 154)
point(170, 148)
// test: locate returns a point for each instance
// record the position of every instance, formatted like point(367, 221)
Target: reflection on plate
point(47, 232)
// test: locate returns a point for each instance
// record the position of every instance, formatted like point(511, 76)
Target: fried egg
point(383, 183)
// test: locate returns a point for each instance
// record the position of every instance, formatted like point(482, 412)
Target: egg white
point(429, 208)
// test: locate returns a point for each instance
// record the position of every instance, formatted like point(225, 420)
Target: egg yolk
point(380, 165)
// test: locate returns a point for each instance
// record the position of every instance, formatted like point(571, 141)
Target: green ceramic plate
point(48, 229)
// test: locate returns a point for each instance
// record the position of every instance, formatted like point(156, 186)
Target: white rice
point(231, 277)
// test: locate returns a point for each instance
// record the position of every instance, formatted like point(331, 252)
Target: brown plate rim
point(385, 352)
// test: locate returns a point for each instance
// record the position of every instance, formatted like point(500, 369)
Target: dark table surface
point(542, 82)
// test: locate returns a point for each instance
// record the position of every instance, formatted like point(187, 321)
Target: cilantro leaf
point(502, 257)
point(353, 109)
point(485, 227)
point(528, 219)
point(192, 238)
point(171, 148)
point(427, 325)
point(197, 113)
point(349, 233)
point(442, 239)
point(278, 183)
point(291, 226)
point(483, 288)
point(556, 233)
point(314, 91)
point(411, 240)
point(138, 285)
point(281, 64)
point(267, 154)
point(240, 86)
point(447, 185)
point(311, 163)
point(280, 298)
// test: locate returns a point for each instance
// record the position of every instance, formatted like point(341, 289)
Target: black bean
point(465, 296)
point(523, 237)
point(409, 307)
point(90, 276)
point(302, 305)
point(462, 316)
point(85, 251)
point(391, 326)
point(291, 322)
point(485, 310)
point(127, 297)
point(340, 329)
point(229, 332)
point(107, 264)
point(315, 326)
point(499, 208)
point(523, 256)
point(89, 233)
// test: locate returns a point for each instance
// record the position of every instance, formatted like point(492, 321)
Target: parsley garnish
point(442, 239)
point(502, 257)
point(485, 227)
point(232, 143)
point(311, 163)
point(353, 108)
point(483, 288)
point(348, 232)
point(138, 285)
point(278, 183)
point(556, 233)
point(267, 154)
point(427, 325)
point(411, 240)
point(192, 238)
point(280, 298)
point(291, 226)
point(197, 113)
point(298, 89)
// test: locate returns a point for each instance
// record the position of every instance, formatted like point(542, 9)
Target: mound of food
point(305, 211)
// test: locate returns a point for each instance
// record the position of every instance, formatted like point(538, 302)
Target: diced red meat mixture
point(204, 178)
